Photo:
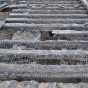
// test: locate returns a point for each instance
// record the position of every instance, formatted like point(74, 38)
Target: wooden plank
point(54, 56)
point(45, 27)
point(47, 11)
point(70, 34)
point(53, 44)
point(56, 15)
point(51, 20)
point(17, 6)
point(26, 9)
point(62, 73)
point(48, 2)
point(74, 32)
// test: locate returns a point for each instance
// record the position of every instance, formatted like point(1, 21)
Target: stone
point(27, 35)
point(8, 84)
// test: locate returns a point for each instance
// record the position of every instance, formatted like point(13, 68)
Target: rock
point(52, 85)
point(72, 85)
point(27, 35)
point(8, 84)
point(48, 85)
point(43, 85)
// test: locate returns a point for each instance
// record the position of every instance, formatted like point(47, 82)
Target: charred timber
point(48, 45)
point(62, 73)
point(54, 56)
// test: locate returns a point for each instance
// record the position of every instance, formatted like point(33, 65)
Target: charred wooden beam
point(70, 35)
point(47, 15)
point(62, 73)
point(54, 56)
point(39, 20)
point(45, 27)
point(49, 44)
point(17, 10)
point(17, 6)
